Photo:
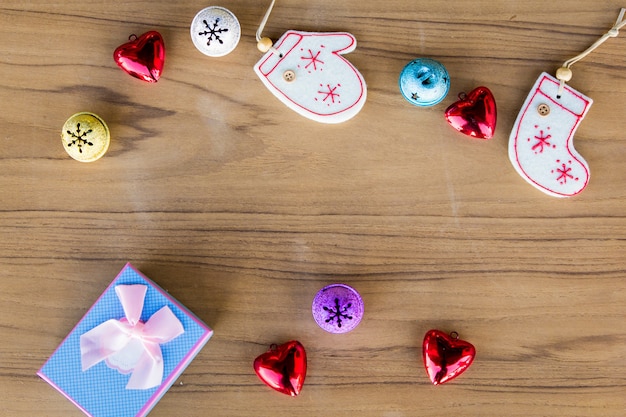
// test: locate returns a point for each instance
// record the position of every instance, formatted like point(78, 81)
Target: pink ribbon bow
point(129, 345)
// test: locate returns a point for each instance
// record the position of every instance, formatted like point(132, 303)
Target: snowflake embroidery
point(313, 60)
point(330, 93)
point(563, 172)
point(213, 32)
point(542, 141)
point(79, 138)
point(338, 313)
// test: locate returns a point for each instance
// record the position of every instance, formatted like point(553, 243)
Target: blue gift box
point(101, 390)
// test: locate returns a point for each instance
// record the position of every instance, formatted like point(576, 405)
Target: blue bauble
point(424, 82)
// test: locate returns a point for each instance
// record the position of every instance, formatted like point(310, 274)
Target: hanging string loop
point(564, 74)
point(265, 44)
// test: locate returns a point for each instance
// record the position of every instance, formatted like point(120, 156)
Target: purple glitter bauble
point(337, 308)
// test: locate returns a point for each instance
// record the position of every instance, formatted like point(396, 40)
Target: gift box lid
point(101, 390)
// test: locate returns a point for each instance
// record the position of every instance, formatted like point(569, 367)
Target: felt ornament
point(541, 145)
point(308, 73)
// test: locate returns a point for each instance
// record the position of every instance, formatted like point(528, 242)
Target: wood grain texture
point(242, 209)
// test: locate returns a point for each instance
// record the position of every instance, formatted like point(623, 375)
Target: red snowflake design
point(330, 94)
point(542, 141)
point(563, 172)
point(313, 60)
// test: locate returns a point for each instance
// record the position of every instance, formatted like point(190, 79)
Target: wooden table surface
point(243, 209)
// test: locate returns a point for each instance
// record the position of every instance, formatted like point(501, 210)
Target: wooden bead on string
point(264, 44)
point(564, 74)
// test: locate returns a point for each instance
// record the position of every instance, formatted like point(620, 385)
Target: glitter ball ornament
point(215, 31)
point(337, 308)
point(85, 137)
point(424, 82)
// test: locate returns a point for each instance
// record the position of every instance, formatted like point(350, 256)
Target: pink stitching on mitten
point(307, 72)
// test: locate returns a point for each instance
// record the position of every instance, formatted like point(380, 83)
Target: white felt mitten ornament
point(308, 73)
point(541, 143)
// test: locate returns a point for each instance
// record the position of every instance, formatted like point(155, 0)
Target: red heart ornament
point(283, 367)
point(474, 114)
point(446, 356)
point(143, 57)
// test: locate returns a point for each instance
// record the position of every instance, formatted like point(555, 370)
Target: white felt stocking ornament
point(540, 146)
point(541, 143)
point(307, 72)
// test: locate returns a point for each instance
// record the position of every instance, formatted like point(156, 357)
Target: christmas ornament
point(142, 57)
point(446, 356)
point(215, 31)
point(337, 308)
point(424, 82)
point(474, 114)
point(85, 137)
point(307, 72)
point(283, 367)
point(541, 143)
